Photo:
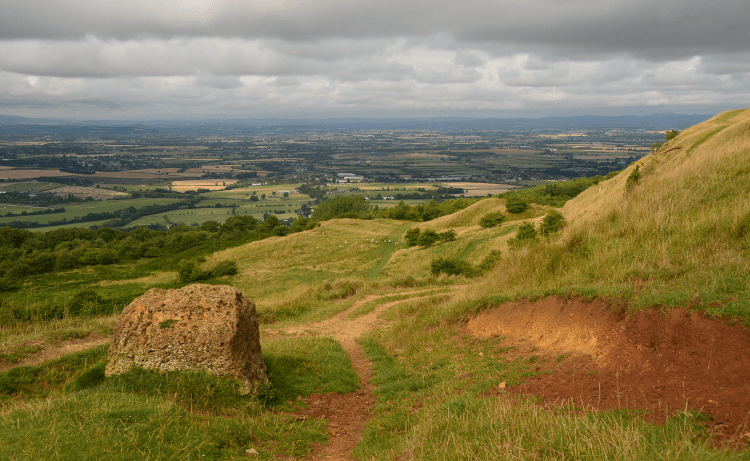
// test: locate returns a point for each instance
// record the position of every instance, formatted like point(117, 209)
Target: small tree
point(427, 238)
point(553, 221)
point(492, 219)
point(448, 236)
point(656, 146)
point(514, 203)
point(669, 135)
point(412, 236)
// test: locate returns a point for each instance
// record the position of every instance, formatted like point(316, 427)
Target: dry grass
point(678, 232)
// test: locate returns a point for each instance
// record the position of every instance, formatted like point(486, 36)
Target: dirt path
point(52, 351)
point(348, 413)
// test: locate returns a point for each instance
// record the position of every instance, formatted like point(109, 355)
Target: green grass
point(438, 400)
point(41, 380)
point(19, 353)
point(69, 410)
point(388, 248)
point(302, 366)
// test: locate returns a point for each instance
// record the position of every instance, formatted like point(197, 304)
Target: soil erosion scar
point(648, 361)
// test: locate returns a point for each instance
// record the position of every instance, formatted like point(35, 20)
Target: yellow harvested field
point(481, 189)
point(210, 184)
point(31, 174)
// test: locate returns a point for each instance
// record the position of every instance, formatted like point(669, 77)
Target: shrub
point(412, 236)
point(452, 266)
point(190, 271)
point(448, 236)
point(633, 179)
point(515, 203)
point(492, 219)
point(553, 221)
point(228, 267)
point(427, 238)
point(526, 233)
point(490, 260)
point(669, 135)
point(85, 303)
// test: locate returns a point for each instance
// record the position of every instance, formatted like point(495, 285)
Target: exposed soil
point(662, 363)
point(52, 351)
point(346, 413)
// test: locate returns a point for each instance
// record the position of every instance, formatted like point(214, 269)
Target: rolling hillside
point(621, 336)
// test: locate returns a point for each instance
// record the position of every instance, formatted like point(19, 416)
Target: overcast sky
point(155, 59)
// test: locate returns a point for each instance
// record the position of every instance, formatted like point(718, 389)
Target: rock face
point(198, 327)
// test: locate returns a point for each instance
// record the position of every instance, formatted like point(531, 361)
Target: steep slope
point(672, 229)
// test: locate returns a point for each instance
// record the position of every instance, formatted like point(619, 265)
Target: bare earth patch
point(52, 351)
point(650, 361)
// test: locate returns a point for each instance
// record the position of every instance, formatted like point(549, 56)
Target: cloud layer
point(192, 59)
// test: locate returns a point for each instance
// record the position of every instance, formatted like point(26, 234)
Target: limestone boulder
point(198, 327)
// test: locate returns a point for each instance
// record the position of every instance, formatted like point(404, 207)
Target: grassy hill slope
point(678, 235)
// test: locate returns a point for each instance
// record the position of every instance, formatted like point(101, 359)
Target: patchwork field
point(93, 192)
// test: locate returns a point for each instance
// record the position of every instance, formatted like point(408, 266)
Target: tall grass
point(681, 230)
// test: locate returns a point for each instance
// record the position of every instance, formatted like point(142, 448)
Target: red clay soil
point(658, 362)
point(346, 413)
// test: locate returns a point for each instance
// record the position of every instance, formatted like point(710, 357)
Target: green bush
point(526, 233)
point(515, 203)
point(412, 236)
point(86, 303)
point(492, 219)
point(427, 238)
point(633, 179)
point(190, 271)
point(669, 135)
point(228, 267)
point(553, 221)
point(452, 266)
point(490, 260)
point(447, 236)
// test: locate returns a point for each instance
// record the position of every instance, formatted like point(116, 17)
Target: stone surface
point(198, 327)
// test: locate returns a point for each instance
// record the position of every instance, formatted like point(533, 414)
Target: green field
point(73, 210)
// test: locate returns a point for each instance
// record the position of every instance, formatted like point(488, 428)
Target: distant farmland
point(93, 192)
point(210, 184)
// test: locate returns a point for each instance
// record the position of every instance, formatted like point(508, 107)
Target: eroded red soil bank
point(652, 361)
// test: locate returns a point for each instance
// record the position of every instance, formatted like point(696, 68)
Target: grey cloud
point(638, 27)
point(221, 82)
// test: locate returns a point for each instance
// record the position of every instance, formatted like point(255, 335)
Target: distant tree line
point(119, 218)
point(24, 253)
point(359, 207)
point(43, 211)
point(553, 194)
